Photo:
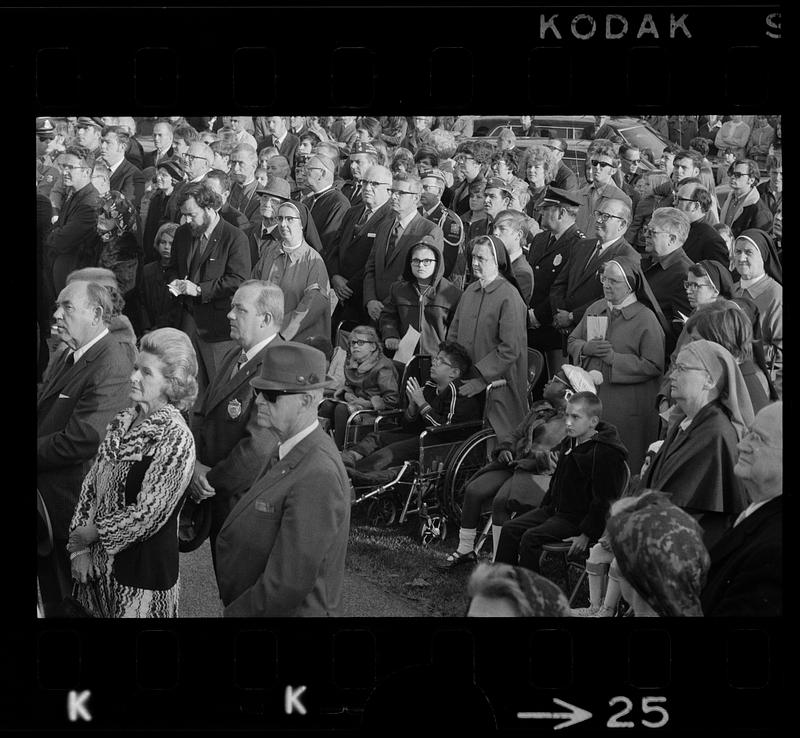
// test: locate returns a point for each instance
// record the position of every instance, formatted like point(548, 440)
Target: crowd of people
point(193, 384)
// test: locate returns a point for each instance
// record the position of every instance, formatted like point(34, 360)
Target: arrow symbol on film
point(573, 717)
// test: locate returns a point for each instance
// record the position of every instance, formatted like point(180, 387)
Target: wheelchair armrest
point(357, 413)
point(497, 384)
point(387, 415)
point(440, 434)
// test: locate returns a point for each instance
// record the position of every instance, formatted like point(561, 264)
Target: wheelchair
point(432, 486)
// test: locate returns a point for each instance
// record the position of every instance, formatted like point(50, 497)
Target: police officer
point(431, 207)
point(47, 173)
point(548, 255)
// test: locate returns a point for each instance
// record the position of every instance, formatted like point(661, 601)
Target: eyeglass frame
point(649, 231)
point(597, 163)
point(360, 342)
point(694, 286)
point(187, 155)
point(418, 262)
point(603, 217)
point(402, 192)
point(271, 395)
point(374, 184)
point(436, 361)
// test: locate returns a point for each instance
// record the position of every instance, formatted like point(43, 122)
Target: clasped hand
point(414, 392)
point(599, 348)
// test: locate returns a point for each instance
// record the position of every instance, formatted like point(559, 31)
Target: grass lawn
point(393, 559)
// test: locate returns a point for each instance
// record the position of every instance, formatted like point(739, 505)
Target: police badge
point(234, 409)
point(557, 260)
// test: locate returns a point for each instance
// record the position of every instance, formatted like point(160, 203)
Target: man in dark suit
point(432, 208)
point(362, 157)
point(393, 237)
point(325, 203)
point(162, 138)
point(549, 254)
point(231, 445)
point(746, 574)
point(278, 136)
point(577, 286)
point(703, 241)
point(281, 550)
point(76, 228)
point(243, 162)
point(80, 395)
point(347, 259)
point(125, 177)
point(212, 259)
point(565, 178)
point(601, 166)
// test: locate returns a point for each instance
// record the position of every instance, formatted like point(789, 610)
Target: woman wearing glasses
point(630, 353)
point(422, 299)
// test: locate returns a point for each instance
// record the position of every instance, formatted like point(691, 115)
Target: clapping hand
point(414, 392)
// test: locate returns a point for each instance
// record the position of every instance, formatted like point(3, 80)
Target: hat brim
point(260, 383)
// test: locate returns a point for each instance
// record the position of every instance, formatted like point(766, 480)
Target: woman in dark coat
point(695, 462)
point(630, 357)
point(490, 323)
point(163, 207)
point(422, 299)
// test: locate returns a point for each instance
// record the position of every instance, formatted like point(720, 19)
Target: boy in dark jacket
point(434, 404)
point(589, 475)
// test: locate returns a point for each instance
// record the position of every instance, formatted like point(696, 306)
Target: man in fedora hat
point(231, 444)
point(281, 550)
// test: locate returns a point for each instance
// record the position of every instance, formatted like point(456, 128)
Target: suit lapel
point(736, 536)
point(409, 233)
point(61, 378)
point(228, 387)
point(209, 249)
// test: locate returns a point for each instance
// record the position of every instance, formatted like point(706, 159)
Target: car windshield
point(643, 138)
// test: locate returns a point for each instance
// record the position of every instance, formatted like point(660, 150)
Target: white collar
point(629, 300)
point(750, 509)
point(83, 349)
point(405, 221)
point(287, 446)
point(260, 345)
point(114, 168)
point(745, 283)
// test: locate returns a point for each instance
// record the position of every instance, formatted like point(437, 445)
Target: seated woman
point(436, 403)
point(661, 555)
point(370, 382)
point(725, 322)
point(500, 590)
point(695, 463)
point(630, 357)
point(123, 541)
point(422, 299)
point(490, 324)
point(756, 260)
point(511, 479)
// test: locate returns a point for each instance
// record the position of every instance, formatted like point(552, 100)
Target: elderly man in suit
point(549, 255)
point(231, 444)
point(125, 177)
point(76, 229)
point(243, 163)
point(212, 259)
point(281, 550)
point(746, 574)
point(393, 237)
point(601, 166)
point(80, 395)
point(347, 258)
point(577, 286)
point(703, 241)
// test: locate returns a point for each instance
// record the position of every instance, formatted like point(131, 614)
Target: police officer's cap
point(498, 184)
point(436, 174)
point(87, 122)
point(556, 196)
point(360, 147)
point(45, 127)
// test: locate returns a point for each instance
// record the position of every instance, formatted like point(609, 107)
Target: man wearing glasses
point(665, 266)
point(347, 259)
point(601, 165)
point(565, 178)
point(744, 207)
point(243, 163)
point(431, 207)
point(470, 159)
point(577, 286)
point(281, 551)
point(393, 237)
point(66, 244)
point(326, 204)
point(703, 241)
point(629, 158)
point(197, 161)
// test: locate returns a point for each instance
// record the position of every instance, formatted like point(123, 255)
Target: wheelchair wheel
point(470, 456)
point(381, 512)
point(433, 531)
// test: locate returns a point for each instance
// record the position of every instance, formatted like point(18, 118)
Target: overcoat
point(281, 550)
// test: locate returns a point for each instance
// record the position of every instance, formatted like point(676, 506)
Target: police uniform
point(47, 173)
point(547, 257)
point(451, 225)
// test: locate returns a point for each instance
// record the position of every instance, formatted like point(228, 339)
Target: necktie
point(241, 361)
point(356, 192)
point(364, 217)
point(393, 236)
point(198, 246)
point(595, 254)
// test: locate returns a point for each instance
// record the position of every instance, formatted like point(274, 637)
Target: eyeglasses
point(596, 163)
point(431, 188)
point(437, 361)
point(314, 169)
point(286, 218)
point(374, 184)
point(682, 199)
point(683, 368)
point(422, 262)
point(70, 167)
point(402, 192)
point(360, 342)
point(462, 159)
point(568, 392)
point(631, 161)
point(271, 395)
point(736, 175)
point(610, 280)
point(187, 155)
point(648, 231)
point(694, 286)
point(553, 148)
point(603, 217)
point(234, 162)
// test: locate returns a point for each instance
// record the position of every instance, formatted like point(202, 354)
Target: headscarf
point(728, 379)
point(541, 598)
point(719, 275)
point(501, 256)
point(310, 232)
point(659, 550)
point(641, 288)
point(764, 242)
point(121, 210)
point(545, 599)
point(581, 380)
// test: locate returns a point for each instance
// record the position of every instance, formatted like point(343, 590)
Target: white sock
point(466, 540)
point(495, 539)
